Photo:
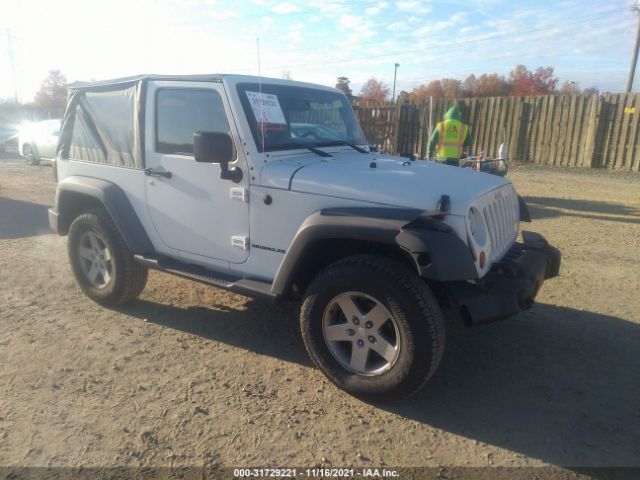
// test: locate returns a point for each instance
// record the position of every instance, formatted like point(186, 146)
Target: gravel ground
point(191, 375)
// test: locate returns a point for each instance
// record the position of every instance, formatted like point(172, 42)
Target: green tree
point(343, 85)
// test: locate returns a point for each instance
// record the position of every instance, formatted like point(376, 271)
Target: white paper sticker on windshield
point(266, 108)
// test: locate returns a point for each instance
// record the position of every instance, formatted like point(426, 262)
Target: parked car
point(37, 141)
point(202, 177)
point(8, 137)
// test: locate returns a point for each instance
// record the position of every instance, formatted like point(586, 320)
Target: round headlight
point(477, 226)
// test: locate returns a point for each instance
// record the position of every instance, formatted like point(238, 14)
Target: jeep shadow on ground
point(19, 219)
point(539, 384)
point(536, 385)
point(259, 327)
point(546, 207)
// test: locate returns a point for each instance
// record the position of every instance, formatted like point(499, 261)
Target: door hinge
point(239, 193)
point(240, 241)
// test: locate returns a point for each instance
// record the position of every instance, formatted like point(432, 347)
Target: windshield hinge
point(239, 193)
point(240, 241)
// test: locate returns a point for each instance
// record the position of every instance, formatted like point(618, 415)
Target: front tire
point(102, 264)
point(373, 327)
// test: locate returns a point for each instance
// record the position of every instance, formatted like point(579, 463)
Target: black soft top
point(104, 120)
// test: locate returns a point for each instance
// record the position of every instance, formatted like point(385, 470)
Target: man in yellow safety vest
point(450, 139)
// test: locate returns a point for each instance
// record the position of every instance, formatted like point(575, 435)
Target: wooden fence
point(569, 130)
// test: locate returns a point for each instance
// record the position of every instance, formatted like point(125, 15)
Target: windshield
point(290, 117)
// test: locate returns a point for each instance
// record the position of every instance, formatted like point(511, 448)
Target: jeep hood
point(394, 181)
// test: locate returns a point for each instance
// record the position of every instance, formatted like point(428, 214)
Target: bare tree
point(570, 88)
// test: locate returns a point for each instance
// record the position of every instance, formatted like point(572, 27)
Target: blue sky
point(588, 41)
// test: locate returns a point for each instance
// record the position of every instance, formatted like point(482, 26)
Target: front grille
point(502, 217)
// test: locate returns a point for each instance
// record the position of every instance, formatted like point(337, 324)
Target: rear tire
point(390, 342)
point(101, 261)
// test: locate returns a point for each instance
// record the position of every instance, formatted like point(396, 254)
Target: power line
point(423, 49)
point(602, 14)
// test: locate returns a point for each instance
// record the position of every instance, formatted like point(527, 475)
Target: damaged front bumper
point(511, 285)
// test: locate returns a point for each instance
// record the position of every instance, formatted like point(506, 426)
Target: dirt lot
point(191, 375)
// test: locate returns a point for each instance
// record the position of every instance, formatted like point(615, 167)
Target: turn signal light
point(482, 259)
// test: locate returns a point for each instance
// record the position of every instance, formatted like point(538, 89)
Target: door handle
point(156, 172)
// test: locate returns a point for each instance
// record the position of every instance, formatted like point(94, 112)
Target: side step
point(243, 286)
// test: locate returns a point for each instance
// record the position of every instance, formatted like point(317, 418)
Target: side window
point(180, 113)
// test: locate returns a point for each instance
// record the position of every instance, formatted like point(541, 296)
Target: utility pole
point(395, 73)
point(12, 59)
point(634, 58)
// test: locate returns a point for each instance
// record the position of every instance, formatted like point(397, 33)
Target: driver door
point(194, 212)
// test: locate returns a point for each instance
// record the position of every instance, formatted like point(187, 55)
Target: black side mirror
point(373, 148)
point(216, 147)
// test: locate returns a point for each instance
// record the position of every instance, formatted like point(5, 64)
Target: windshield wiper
point(336, 143)
point(311, 148)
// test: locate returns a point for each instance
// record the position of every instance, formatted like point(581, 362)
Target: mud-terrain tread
point(131, 278)
point(418, 289)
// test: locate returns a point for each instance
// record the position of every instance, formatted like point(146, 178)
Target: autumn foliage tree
point(521, 81)
point(541, 82)
point(422, 93)
point(375, 91)
point(451, 88)
point(491, 85)
point(52, 95)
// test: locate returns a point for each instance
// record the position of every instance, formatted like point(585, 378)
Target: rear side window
point(100, 127)
point(182, 112)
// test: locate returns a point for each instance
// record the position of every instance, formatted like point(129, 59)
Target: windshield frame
point(346, 113)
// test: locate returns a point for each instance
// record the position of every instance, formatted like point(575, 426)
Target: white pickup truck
point(268, 188)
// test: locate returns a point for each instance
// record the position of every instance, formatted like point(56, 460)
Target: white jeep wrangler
point(268, 188)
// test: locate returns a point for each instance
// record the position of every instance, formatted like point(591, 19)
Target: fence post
point(586, 131)
point(397, 127)
point(633, 156)
point(589, 153)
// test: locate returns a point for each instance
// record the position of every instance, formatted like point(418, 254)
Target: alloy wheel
point(95, 259)
point(361, 333)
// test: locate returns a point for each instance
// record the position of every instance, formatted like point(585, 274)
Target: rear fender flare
point(115, 202)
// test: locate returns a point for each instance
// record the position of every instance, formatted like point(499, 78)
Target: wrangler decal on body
point(271, 249)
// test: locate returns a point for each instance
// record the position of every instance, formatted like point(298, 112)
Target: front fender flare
point(439, 253)
point(414, 231)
